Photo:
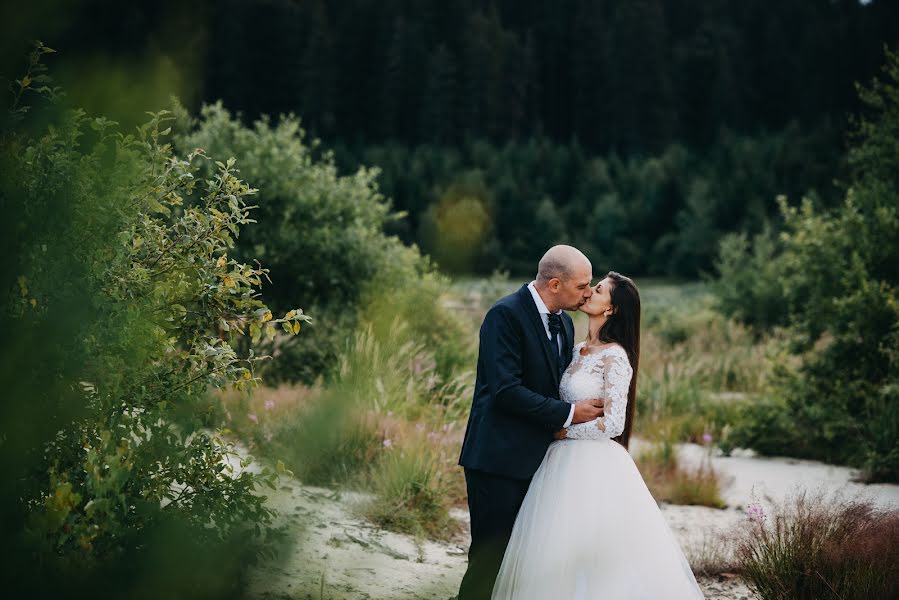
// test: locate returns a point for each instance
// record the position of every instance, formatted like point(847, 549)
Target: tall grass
point(814, 548)
point(413, 484)
point(697, 368)
point(385, 422)
point(670, 481)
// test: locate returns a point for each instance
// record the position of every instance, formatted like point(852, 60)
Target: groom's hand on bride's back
point(587, 410)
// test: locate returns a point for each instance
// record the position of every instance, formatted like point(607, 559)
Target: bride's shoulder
point(616, 348)
point(610, 348)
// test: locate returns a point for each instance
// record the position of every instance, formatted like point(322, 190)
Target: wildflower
point(253, 417)
point(388, 443)
point(269, 404)
point(755, 512)
point(707, 438)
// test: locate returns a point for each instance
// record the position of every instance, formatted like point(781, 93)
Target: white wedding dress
point(588, 527)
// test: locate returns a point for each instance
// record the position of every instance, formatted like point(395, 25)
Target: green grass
point(411, 488)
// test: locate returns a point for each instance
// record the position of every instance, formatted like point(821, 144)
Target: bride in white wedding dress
point(588, 527)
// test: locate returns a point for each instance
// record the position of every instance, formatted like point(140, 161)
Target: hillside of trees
point(642, 130)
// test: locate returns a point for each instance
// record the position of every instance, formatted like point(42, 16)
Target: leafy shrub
point(836, 276)
point(119, 239)
point(321, 234)
point(750, 282)
point(766, 426)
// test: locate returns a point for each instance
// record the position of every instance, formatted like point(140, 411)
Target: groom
point(525, 345)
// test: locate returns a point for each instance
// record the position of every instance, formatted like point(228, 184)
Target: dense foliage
point(831, 277)
point(484, 206)
point(321, 234)
point(121, 303)
point(501, 127)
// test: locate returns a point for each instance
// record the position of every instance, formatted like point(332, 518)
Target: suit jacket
point(516, 406)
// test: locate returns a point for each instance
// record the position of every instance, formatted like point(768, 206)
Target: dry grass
point(715, 555)
point(387, 423)
point(669, 481)
point(814, 548)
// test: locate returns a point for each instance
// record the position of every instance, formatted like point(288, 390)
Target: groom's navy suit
point(515, 410)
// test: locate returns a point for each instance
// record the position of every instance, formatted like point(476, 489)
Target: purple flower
point(253, 417)
point(706, 438)
point(755, 512)
point(388, 443)
point(269, 404)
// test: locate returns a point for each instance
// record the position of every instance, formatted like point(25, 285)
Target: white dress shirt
point(544, 316)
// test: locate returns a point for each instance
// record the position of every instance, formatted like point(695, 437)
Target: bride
point(588, 527)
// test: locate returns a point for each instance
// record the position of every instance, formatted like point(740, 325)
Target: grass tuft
point(669, 481)
point(812, 548)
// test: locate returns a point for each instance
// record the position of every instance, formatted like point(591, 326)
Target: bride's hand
point(561, 434)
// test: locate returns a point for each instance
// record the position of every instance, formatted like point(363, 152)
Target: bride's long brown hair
point(623, 327)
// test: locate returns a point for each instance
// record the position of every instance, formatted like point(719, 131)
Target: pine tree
point(438, 116)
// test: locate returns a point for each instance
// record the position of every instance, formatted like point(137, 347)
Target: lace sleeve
point(616, 371)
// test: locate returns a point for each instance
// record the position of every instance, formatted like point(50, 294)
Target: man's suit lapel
point(537, 325)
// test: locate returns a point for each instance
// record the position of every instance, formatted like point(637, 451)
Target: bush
point(322, 237)
point(812, 548)
point(750, 282)
point(121, 270)
point(835, 275)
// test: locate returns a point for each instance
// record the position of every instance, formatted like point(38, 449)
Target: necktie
point(555, 328)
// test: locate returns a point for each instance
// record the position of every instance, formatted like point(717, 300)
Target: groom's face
point(575, 289)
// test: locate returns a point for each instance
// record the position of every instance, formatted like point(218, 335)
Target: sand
point(338, 555)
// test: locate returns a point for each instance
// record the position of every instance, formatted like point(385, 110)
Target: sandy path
point(340, 556)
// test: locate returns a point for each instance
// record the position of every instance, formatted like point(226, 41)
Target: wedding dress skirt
point(589, 529)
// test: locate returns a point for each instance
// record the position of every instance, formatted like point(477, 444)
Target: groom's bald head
point(563, 278)
point(561, 262)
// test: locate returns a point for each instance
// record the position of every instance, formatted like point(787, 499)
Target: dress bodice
point(605, 374)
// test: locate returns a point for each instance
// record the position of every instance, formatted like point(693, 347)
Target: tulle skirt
point(589, 529)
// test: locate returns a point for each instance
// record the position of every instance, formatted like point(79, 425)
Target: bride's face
point(601, 300)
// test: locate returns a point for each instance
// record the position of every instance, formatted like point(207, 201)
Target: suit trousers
point(493, 502)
